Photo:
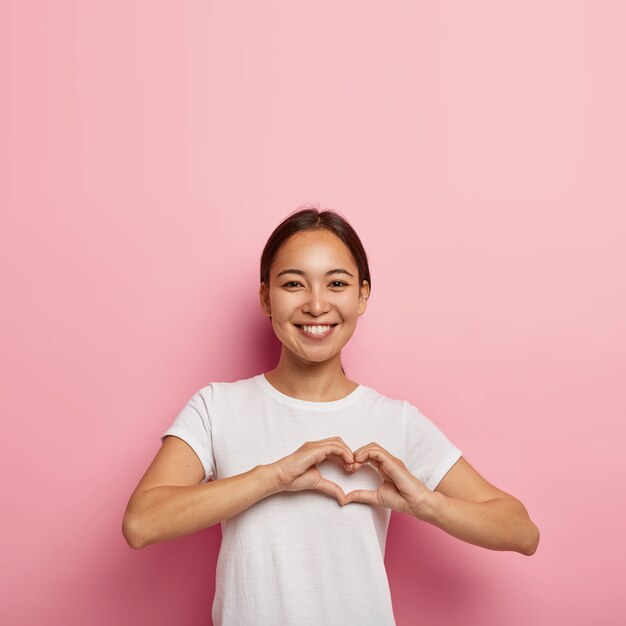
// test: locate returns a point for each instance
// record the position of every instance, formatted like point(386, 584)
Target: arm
point(169, 502)
point(464, 504)
point(468, 507)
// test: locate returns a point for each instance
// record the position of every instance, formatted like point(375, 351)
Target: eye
point(341, 283)
point(290, 283)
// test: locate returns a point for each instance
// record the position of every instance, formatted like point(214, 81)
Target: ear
point(264, 299)
point(363, 296)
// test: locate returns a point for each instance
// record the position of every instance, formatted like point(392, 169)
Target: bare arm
point(468, 507)
point(170, 501)
point(181, 506)
point(464, 504)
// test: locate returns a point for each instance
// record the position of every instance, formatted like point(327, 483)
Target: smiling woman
point(312, 247)
point(315, 315)
point(302, 451)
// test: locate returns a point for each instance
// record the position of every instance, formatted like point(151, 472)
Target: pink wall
point(478, 148)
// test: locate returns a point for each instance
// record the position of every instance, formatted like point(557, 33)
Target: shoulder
point(404, 411)
point(216, 391)
point(390, 404)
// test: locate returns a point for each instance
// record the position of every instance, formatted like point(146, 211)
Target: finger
point(384, 475)
point(344, 444)
point(340, 442)
point(332, 489)
point(381, 459)
point(362, 495)
point(352, 467)
point(393, 470)
point(336, 449)
point(374, 453)
point(379, 469)
point(365, 447)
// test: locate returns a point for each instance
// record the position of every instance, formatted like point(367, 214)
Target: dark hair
point(310, 218)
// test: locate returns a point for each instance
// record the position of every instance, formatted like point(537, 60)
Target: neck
point(315, 382)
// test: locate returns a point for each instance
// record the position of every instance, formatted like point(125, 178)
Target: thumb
point(366, 496)
point(331, 488)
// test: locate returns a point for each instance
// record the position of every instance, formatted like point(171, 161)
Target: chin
point(311, 358)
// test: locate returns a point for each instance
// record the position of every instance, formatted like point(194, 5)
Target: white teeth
point(316, 330)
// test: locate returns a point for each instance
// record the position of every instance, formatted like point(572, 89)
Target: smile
point(316, 331)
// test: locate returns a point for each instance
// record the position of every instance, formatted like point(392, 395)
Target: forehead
point(313, 249)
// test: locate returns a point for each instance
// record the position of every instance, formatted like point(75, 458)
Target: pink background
point(149, 149)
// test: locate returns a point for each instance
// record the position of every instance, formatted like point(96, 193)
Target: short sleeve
point(429, 453)
point(193, 425)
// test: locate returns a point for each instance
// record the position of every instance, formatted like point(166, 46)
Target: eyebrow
point(301, 273)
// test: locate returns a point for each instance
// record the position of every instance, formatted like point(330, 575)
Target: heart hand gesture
point(298, 471)
point(400, 490)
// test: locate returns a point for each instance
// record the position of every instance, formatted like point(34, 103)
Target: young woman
point(303, 466)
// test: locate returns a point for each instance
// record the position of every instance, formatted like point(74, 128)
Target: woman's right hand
point(298, 471)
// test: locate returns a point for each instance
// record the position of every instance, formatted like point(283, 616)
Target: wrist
point(267, 474)
point(427, 508)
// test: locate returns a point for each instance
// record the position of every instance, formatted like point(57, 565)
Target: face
point(314, 282)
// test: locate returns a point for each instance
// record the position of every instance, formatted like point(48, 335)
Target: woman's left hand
point(400, 490)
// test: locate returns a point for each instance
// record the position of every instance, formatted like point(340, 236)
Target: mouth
point(316, 331)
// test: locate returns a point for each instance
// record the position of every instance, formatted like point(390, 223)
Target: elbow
point(131, 533)
point(527, 532)
point(532, 541)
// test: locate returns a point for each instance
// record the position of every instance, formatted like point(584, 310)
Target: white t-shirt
point(298, 557)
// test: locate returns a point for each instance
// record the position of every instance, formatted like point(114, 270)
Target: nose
point(316, 303)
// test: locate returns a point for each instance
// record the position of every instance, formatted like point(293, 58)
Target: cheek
point(348, 308)
point(282, 316)
point(280, 305)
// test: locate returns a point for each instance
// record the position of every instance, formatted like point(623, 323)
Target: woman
point(303, 466)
